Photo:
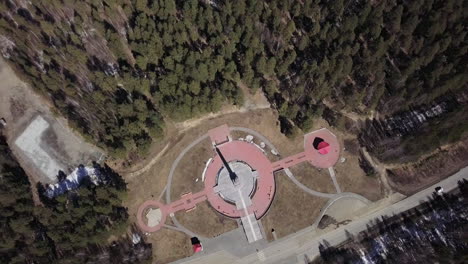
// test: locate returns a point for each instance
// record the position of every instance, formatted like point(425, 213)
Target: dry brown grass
point(191, 168)
point(292, 209)
point(352, 178)
point(205, 221)
point(411, 178)
point(169, 245)
point(314, 178)
point(349, 174)
point(239, 134)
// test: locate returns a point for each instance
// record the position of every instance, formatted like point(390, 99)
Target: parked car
point(439, 190)
point(196, 245)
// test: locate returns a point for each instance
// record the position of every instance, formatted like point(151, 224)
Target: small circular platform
point(244, 186)
point(151, 216)
point(323, 156)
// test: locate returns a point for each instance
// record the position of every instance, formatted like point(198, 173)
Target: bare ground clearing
point(19, 105)
point(349, 174)
point(149, 185)
point(137, 165)
point(414, 177)
point(252, 101)
point(292, 209)
point(314, 178)
point(168, 245)
point(205, 221)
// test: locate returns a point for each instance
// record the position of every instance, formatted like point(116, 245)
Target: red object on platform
point(197, 248)
point(323, 148)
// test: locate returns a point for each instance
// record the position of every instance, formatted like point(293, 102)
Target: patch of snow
point(73, 180)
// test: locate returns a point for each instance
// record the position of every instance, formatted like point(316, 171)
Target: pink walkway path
point(250, 154)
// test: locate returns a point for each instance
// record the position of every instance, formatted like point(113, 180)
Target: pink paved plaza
point(235, 150)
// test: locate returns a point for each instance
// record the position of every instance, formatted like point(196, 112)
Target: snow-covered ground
point(73, 180)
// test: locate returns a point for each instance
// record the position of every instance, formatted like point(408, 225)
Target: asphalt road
point(296, 247)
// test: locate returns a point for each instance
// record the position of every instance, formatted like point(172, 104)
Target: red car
point(196, 245)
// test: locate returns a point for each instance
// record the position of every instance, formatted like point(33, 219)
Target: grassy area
point(441, 164)
point(292, 209)
point(205, 221)
point(314, 178)
point(190, 169)
point(169, 245)
point(352, 178)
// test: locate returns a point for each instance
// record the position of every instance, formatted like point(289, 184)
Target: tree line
point(433, 232)
point(118, 68)
point(71, 228)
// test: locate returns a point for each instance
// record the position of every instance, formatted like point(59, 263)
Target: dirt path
point(190, 123)
point(251, 102)
point(343, 211)
point(150, 164)
point(410, 178)
point(381, 169)
point(351, 115)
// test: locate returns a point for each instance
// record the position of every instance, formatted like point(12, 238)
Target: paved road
point(294, 248)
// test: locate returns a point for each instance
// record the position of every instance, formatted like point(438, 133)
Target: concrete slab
point(245, 182)
point(30, 143)
point(154, 217)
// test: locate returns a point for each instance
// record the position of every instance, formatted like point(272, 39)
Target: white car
point(439, 190)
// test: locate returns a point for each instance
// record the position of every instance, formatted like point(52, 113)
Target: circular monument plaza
point(242, 188)
point(239, 179)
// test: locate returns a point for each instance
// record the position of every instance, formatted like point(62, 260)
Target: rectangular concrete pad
point(30, 142)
